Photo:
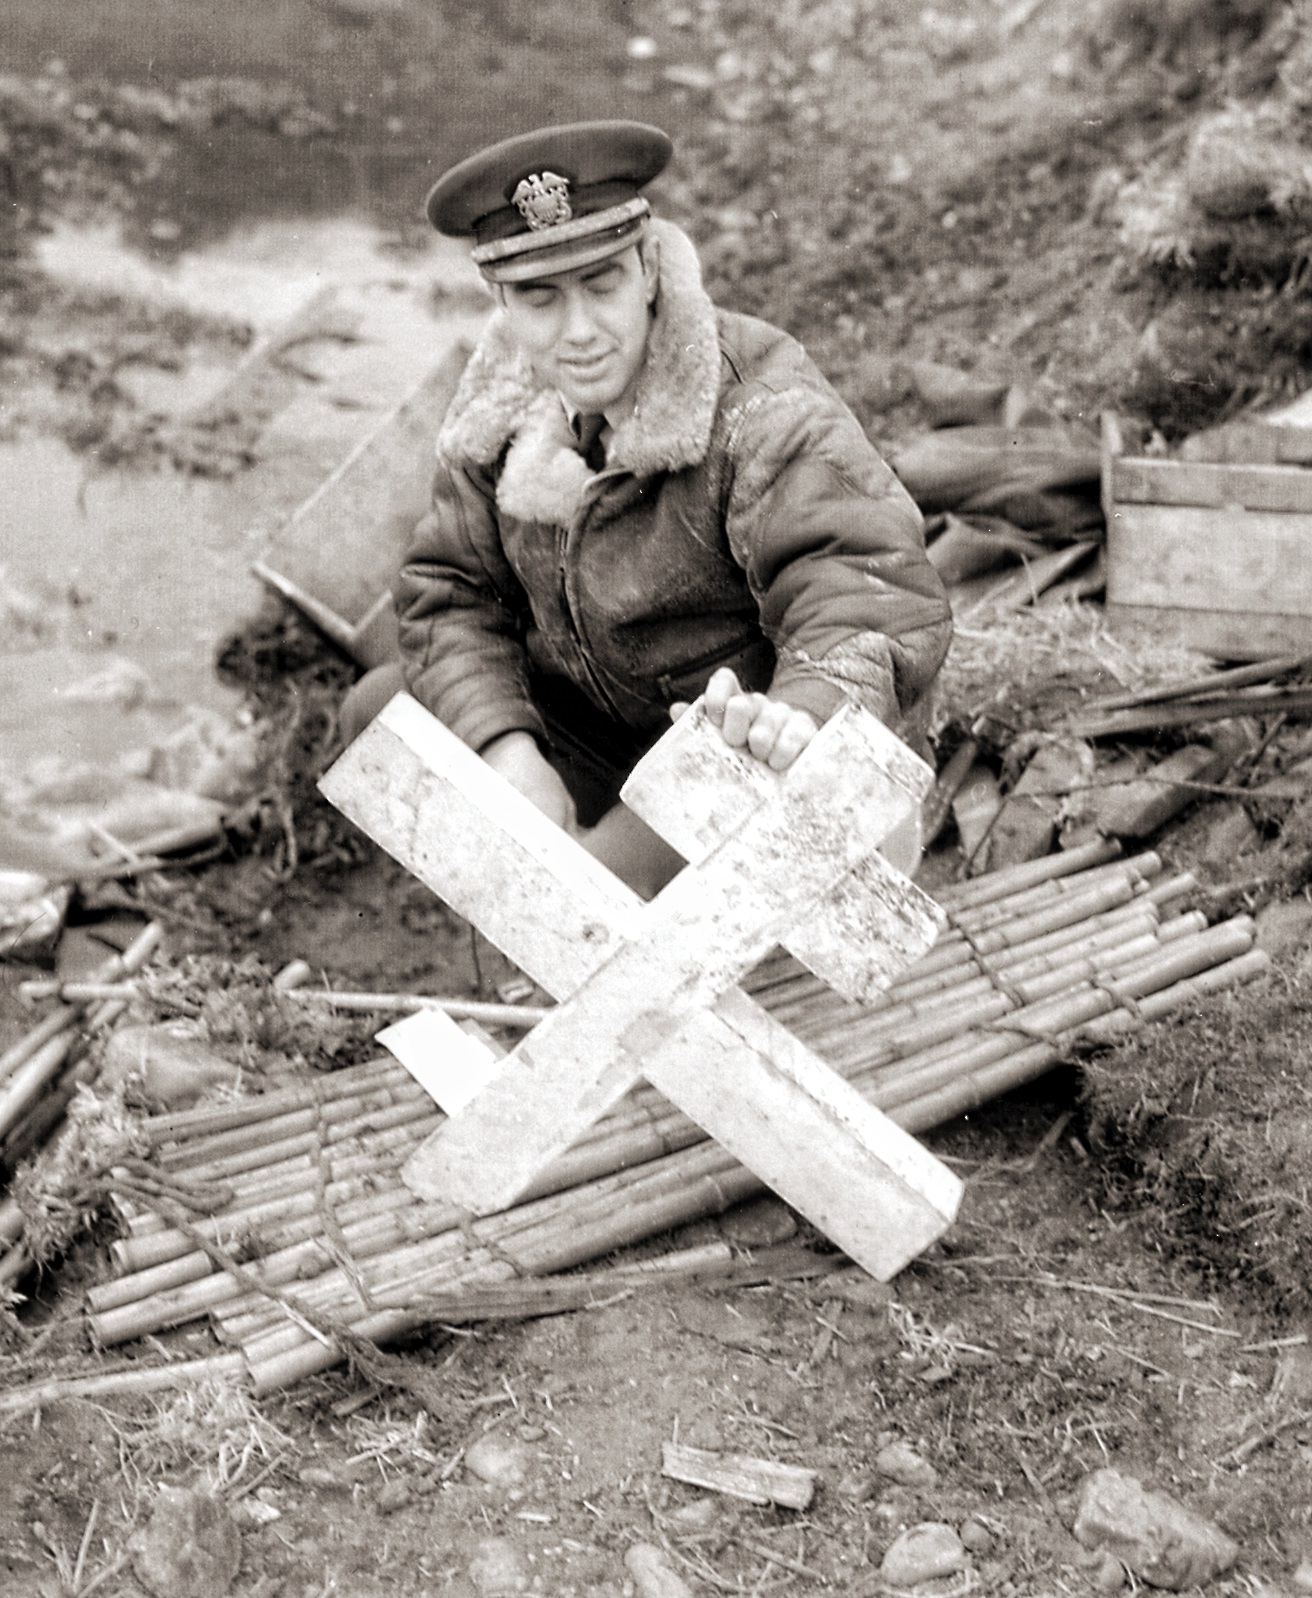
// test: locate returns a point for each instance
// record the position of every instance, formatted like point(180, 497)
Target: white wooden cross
point(650, 989)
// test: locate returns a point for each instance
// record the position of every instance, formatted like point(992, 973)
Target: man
point(638, 499)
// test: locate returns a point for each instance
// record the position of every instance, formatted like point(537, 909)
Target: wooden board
point(874, 921)
point(1225, 634)
point(1200, 558)
point(1162, 482)
point(347, 541)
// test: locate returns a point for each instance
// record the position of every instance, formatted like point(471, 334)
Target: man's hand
point(516, 757)
point(767, 728)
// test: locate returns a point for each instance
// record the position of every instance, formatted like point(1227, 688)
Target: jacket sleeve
point(834, 552)
point(462, 615)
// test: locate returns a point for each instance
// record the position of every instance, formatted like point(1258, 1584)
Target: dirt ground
point(891, 183)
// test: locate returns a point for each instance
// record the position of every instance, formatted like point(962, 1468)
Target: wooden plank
point(1166, 482)
point(1224, 634)
point(532, 890)
point(1206, 559)
point(346, 542)
point(1270, 442)
point(698, 790)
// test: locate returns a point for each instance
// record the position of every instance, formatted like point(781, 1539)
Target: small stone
point(322, 1479)
point(923, 1553)
point(393, 1495)
point(498, 1461)
point(1153, 1535)
point(1302, 1577)
point(759, 1224)
point(1108, 1575)
point(652, 1573)
point(700, 1515)
point(858, 1487)
point(856, 1290)
point(499, 1569)
point(190, 1548)
point(1229, 833)
point(250, 1514)
point(976, 1538)
point(1284, 925)
point(532, 1434)
point(171, 1066)
point(902, 1464)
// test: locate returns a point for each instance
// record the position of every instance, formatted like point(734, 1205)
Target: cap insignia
point(542, 199)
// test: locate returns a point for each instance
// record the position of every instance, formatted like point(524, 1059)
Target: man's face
point(585, 331)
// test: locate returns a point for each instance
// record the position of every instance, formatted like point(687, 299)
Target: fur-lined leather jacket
point(743, 519)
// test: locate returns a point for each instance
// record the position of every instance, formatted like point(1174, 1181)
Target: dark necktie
point(589, 428)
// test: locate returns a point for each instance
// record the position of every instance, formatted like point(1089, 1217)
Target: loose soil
point(1126, 1285)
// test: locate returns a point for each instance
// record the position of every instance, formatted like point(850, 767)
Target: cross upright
point(650, 989)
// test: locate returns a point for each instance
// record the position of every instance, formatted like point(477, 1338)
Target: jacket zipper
point(569, 537)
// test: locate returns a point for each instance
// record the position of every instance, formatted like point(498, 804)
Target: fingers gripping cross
point(650, 990)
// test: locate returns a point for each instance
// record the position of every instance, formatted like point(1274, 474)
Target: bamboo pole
point(67, 1016)
point(209, 1119)
point(122, 1384)
point(502, 1015)
point(1013, 879)
point(38, 1069)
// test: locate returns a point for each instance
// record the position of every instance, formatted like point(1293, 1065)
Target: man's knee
point(367, 697)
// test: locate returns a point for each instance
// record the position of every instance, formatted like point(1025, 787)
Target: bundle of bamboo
point(40, 1074)
point(284, 1218)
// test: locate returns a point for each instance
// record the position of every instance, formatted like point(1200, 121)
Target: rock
point(700, 1515)
point(976, 1538)
point(1230, 833)
point(652, 1573)
point(856, 1289)
point(322, 1479)
point(172, 1067)
point(393, 1495)
point(902, 1464)
point(858, 1487)
point(759, 1224)
point(1292, 1382)
point(1155, 1537)
point(31, 913)
point(1284, 926)
point(923, 1553)
point(1108, 1574)
point(1302, 1577)
point(190, 1547)
point(499, 1569)
point(498, 1461)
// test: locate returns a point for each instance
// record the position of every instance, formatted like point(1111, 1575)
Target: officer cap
point(551, 200)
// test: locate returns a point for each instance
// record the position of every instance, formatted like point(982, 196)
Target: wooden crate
point(1216, 555)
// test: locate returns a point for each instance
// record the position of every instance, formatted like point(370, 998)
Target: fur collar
point(499, 401)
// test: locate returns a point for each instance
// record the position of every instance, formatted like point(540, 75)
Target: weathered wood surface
point(1226, 634)
point(1142, 481)
point(873, 922)
point(759, 1481)
point(648, 983)
point(381, 488)
point(1201, 558)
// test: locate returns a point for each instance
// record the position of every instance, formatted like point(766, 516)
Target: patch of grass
point(1206, 1120)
